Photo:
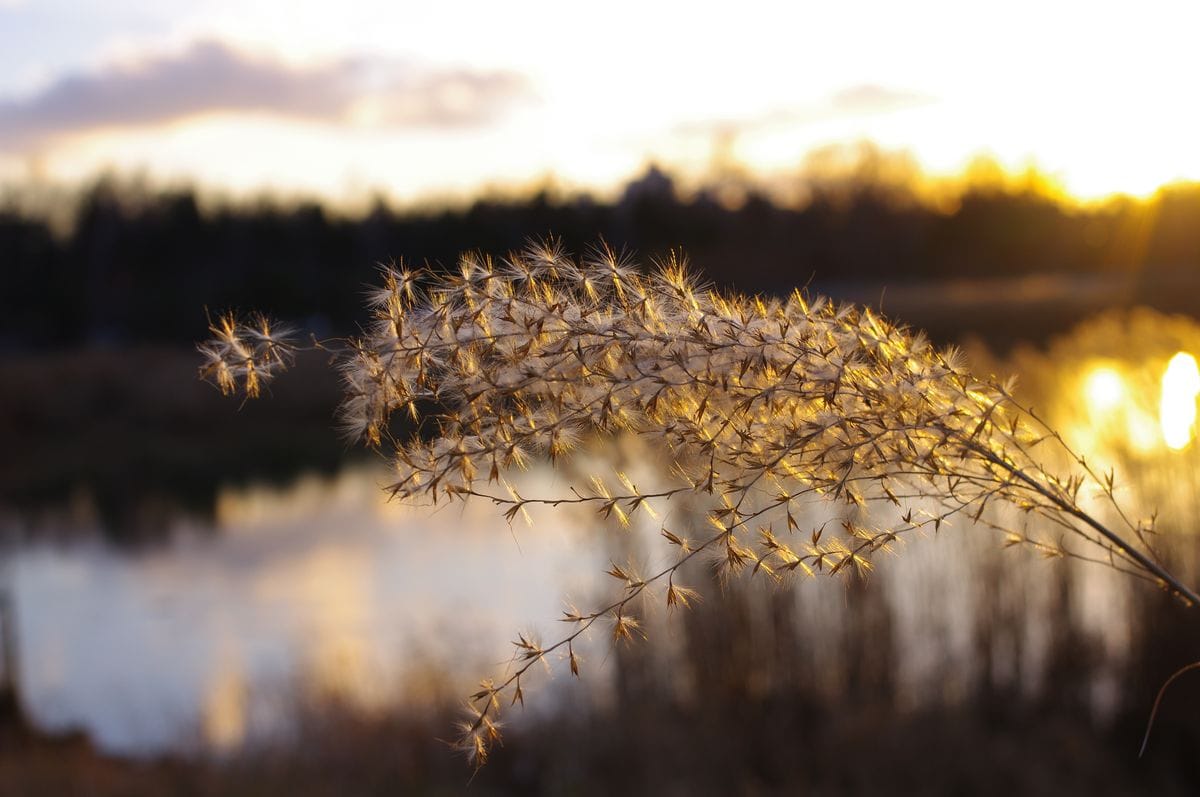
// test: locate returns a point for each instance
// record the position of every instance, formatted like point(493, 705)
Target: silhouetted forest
point(138, 267)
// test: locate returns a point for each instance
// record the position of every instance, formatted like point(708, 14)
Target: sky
point(442, 100)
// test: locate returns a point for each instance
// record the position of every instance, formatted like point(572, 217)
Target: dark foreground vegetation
point(729, 703)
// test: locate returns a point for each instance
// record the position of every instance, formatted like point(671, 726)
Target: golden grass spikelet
point(251, 350)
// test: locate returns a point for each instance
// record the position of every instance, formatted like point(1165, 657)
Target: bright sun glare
point(1177, 408)
point(1104, 390)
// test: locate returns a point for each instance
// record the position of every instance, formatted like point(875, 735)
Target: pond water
point(214, 636)
point(201, 639)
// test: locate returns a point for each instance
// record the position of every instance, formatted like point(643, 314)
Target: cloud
point(212, 77)
point(860, 100)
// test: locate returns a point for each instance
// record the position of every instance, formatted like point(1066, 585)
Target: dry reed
point(765, 408)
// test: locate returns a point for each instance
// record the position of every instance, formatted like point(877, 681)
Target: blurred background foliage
point(120, 262)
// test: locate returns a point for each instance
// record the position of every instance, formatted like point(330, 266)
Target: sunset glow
point(455, 98)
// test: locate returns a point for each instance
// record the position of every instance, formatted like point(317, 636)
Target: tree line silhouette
point(139, 267)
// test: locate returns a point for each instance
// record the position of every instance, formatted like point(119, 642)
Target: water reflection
point(322, 584)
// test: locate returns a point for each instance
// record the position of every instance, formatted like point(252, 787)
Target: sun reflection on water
point(1120, 411)
point(1104, 389)
point(1177, 407)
